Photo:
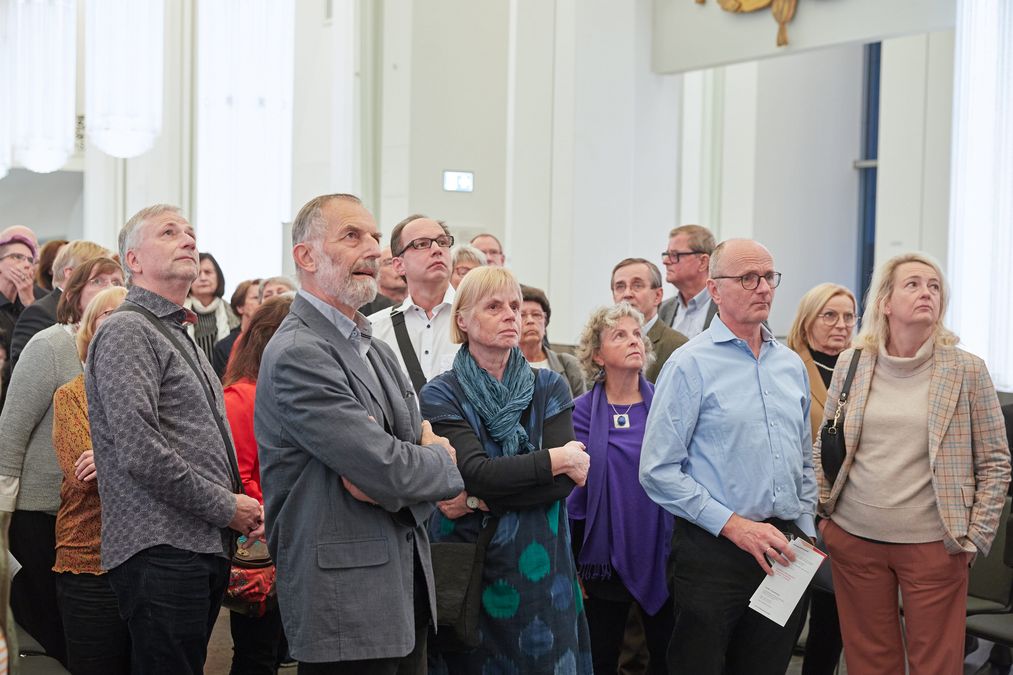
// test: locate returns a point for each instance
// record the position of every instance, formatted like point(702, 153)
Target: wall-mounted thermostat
point(458, 181)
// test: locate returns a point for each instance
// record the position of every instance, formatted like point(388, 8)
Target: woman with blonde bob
point(97, 637)
point(512, 428)
point(821, 331)
point(622, 538)
point(923, 482)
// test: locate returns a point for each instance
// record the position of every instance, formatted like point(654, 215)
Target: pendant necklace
point(621, 420)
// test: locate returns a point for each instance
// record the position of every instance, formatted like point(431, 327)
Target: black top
point(826, 360)
point(511, 483)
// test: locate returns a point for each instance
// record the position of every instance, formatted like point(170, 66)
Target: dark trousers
point(823, 645)
point(606, 623)
point(170, 599)
point(32, 537)
point(98, 642)
point(255, 643)
point(715, 631)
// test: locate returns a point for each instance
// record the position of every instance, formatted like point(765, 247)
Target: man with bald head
point(418, 329)
point(728, 450)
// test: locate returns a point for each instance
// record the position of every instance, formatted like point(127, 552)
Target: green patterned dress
point(532, 617)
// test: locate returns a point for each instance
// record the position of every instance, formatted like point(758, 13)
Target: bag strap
point(846, 389)
point(411, 361)
point(486, 533)
point(129, 306)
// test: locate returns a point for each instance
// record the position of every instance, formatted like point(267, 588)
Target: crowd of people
point(619, 504)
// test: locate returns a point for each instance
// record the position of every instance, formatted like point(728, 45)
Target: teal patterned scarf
point(499, 404)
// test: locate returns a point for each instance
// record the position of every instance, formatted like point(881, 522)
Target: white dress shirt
point(430, 337)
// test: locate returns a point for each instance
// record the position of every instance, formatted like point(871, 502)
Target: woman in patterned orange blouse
point(97, 638)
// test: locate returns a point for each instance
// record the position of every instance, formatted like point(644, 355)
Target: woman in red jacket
point(255, 640)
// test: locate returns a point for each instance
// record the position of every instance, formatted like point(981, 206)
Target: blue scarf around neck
point(499, 404)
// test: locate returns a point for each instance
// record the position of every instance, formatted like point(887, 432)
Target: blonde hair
point(73, 254)
point(809, 307)
point(477, 284)
point(108, 299)
point(875, 325)
point(590, 337)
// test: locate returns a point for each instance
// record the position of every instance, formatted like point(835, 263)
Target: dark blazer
point(345, 568)
point(667, 312)
point(35, 317)
point(222, 350)
point(664, 340)
point(568, 366)
point(376, 304)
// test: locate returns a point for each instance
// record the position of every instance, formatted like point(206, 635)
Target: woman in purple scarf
point(621, 538)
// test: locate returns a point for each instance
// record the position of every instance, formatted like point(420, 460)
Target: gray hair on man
point(309, 223)
point(467, 253)
point(128, 233)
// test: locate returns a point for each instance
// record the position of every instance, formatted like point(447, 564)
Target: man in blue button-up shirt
point(728, 450)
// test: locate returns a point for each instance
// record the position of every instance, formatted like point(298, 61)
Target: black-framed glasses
point(675, 256)
point(423, 243)
point(751, 281)
point(830, 318)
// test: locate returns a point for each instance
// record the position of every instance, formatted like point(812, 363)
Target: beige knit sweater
point(889, 495)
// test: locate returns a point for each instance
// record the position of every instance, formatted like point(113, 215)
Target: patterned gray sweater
point(165, 476)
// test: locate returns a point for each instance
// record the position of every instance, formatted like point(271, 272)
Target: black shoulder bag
point(832, 448)
point(404, 344)
point(457, 573)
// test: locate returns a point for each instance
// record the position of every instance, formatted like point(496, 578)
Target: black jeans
point(32, 537)
point(255, 642)
point(98, 642)
point(715, 631)
point(170, 599)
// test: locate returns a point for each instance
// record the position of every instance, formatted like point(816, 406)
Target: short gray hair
point(309, 223)
point(467, 253)
point(590, 338)
point(281, 281)
point(129, 232)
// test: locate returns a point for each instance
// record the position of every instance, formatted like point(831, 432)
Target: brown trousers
point(933, 584)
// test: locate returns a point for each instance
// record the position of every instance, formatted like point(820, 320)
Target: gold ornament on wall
point(783, 11)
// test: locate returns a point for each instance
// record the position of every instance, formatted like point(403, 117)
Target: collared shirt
point(690, 318)
point(430, 337)
point(729, 433)
point(358, 332)
point(649, 324)
point(167, 477)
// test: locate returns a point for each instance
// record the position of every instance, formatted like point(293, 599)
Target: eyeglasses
point(675, 256)
point(830, 318)
point(636, 286)
point(536, 315)
point(423, 243)
point(461, 270)
point(20, 257)
point(751, 281)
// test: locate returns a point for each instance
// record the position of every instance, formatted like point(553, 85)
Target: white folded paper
point(779, 593)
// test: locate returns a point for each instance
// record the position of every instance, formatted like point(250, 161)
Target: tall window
point(868, 171)
point(243, 148)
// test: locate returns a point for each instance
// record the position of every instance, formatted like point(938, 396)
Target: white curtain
point(243, 148)
point(981, 217)
point(45, 75)
point(124, 56)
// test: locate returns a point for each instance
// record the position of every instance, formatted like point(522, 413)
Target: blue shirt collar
point(345, 326)
point(721, 333)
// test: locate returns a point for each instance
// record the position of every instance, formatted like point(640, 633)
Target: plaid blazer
point(968, 451)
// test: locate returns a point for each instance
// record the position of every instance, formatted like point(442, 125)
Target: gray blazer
point(345, 567)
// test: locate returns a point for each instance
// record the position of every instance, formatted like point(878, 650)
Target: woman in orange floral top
point(97, 638)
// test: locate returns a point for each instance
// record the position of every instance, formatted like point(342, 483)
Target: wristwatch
point(472, 502)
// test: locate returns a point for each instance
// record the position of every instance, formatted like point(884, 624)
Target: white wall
point(689, 36)
point(913, 187)
point(49, 203)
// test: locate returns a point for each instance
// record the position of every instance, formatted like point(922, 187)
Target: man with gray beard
point(348, 468)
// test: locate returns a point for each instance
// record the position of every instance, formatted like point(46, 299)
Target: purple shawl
point(624, 531)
